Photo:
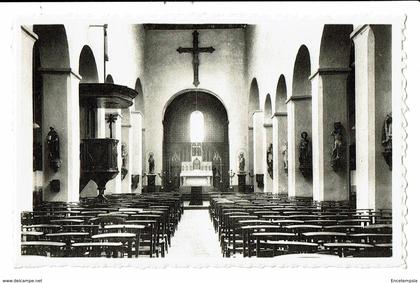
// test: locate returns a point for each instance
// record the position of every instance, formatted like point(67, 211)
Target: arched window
point(197, 126)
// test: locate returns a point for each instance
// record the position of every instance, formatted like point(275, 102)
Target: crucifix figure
point(195, 51)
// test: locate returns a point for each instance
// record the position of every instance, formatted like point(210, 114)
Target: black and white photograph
point(188, 135)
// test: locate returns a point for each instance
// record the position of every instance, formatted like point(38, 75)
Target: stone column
point(300, 120)
point(114, 186)
point(373, 184)
point(100, 122)
point(24, 124)
point(259, 154)
point(127, 140)
point(279, 139)
point(250, 164)
point(267, 140)
point(61, 111)
point(145, 167)
point(329, 105)
point(137, 151)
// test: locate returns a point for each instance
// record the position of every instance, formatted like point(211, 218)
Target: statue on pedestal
point(53, 142)
point(387, 140)
point(285, 157)
point(124, 155)
point(151, 161)
point(270, 160)
point(338, 151)
point(305, 155)
point(241, 162)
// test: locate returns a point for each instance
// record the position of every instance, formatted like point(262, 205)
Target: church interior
point(205, 140)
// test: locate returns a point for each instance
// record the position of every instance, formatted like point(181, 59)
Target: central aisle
point(195, 237)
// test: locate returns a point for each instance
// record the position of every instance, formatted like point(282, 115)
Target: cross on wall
point(195, 51)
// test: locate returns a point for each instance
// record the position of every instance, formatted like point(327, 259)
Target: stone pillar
point(114, 186)
point(329, 105)
point(24, 125)
point(250, 164)
point(143, 154)
point(259, 154)
point(137, 150)
point(300, 120)
point(279, 139)
point(100, 123)
point(61, 111)
point(373, 184)
point(267, 140)
point(127, 140)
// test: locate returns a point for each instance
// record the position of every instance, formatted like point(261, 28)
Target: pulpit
point(99, 161)
point(99, 155)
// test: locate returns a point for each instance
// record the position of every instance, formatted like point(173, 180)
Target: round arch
point(53, 46)
point(281, 95)
point(188, 90)
point(178, 144)
point(335, 46)
point(109, 79)
point(268, 109)
point(253, 100)
point(301, 85)
point(87, 66)
point(139, 100)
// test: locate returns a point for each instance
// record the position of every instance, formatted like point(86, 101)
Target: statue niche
point(305, 156)
point(270, 160)
point(387, 140)
point(338, 150)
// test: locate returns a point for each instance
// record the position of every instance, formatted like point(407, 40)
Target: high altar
point(196, 173)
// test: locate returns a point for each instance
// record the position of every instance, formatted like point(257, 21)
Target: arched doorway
point(180, 134)
point(268, 145)
point(280, 167)
point(300, 106)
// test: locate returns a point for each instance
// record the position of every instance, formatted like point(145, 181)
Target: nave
point(248, 225)
point(294, 141)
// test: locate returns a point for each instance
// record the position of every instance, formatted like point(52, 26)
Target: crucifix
point(195, 51)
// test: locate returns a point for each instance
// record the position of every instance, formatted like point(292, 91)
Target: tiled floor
point(195, 237)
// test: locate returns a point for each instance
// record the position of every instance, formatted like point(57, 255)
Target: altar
point(200, 175)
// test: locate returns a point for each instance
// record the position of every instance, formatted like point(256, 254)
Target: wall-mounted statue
point(387, 140)
point(124, 156)
point(270, 160)
point(53, 142)
point(285, 157)
point(241, 162)
point(305, 155)
point(338, 151)
point(151, 161)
